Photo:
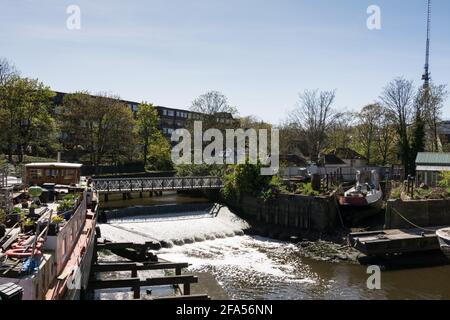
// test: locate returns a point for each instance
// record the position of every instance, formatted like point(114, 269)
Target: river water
point(250, 267)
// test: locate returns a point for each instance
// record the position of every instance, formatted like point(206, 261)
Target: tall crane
point(426, 76)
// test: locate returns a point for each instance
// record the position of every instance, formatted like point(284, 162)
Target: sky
point(260, 54)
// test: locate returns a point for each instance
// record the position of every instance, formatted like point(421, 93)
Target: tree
point(314, 116)
point(7, 71)
point(213, 108)
point(341, 132)
point(25, 118)
point(418, 128)
point(159, 153)
point(398, 98)
point(366, 131)
point(432, 100)
point(147, 121)
point(100, 127)
point(385, 137)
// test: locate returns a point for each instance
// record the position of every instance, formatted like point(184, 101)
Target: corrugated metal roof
point(433, 158)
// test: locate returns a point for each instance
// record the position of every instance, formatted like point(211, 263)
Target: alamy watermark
point(73, 22)
point(374, 19)
point(374, 280)
point(240, 147)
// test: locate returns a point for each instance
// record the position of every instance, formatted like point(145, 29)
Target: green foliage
point(28, 223)
point(26, 118)
point(99, 129)
point(307, 190)
point(57, 219)
point(440, 192)
point(274, 188)
point(396, 193)
point(67, 204)
point(16, 210)
point(70, 197)
point(147, 121)
point(247, 179)
point(445, 180)
point(159, 154)
point(200, 170)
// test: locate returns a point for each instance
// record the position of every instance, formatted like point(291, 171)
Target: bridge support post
point(140, 195)
point(150, 194)
point(124, 196)
point(106, 197)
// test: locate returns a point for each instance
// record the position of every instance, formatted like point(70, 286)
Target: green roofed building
point(429, 165)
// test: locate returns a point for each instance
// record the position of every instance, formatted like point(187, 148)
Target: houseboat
point(47, 248)
point(57, 172)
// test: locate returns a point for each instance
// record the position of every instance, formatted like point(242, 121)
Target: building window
point(170, 113)
point(36, 173)
point(69, 174)
point(52, 173)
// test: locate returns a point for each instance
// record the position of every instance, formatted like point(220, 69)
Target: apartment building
point(170, 118)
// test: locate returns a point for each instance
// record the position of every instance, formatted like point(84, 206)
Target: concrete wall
point(293, 211)
point(424, 213)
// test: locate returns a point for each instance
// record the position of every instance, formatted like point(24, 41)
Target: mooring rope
point(411, 223)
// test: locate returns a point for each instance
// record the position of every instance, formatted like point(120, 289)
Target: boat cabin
point(58, 173)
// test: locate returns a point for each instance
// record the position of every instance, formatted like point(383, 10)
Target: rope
point(411, 223)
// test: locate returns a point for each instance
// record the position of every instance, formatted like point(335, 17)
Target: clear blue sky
point(260, 54)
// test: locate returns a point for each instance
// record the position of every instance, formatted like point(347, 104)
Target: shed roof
point(433, 159)
point(332, 159)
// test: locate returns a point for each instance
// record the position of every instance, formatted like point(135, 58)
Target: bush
point(247, 179)
point(445, 180)
point(67, 204)
point(274, 188)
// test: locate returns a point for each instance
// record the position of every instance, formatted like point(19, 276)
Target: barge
point(47, 248)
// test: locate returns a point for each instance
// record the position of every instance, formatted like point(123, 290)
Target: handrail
point(155, 178)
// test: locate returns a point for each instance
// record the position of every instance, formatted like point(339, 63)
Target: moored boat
point(444, 240)
point(48, 247)
point(364, 199)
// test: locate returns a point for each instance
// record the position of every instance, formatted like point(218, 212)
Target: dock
point(395, 241)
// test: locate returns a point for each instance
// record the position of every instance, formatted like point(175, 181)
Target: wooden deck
point(395, 241)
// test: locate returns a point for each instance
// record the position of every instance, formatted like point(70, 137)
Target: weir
point(193, 223)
